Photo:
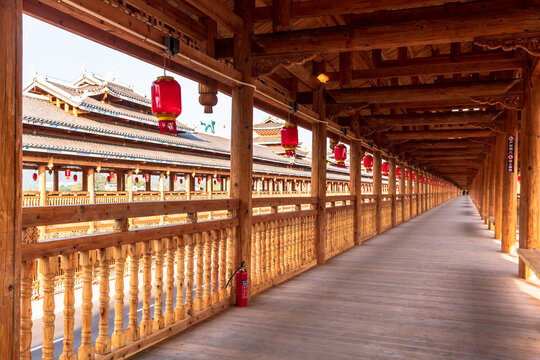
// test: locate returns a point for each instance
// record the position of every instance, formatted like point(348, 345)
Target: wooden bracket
point(529, 44)
point(508, 102)
point(267, 65)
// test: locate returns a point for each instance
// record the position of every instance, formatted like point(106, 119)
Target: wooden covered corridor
point(435, 287)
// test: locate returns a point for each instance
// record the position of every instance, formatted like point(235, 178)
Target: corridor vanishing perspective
point(435, 287)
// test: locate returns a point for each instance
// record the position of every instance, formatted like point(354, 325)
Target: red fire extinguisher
point(241, 286)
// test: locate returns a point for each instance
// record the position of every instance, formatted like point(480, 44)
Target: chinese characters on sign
point(510, 154)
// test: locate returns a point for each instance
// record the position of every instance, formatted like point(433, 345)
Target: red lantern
point(340, 154)
point(108, 178)
point(385, 168)
point(146, 177)
point(198, 180)
point(289, 138)
point(111, 175)
point(166, 103)
point(368, 163)
point(414, 176)
point(136, 180)
point(34, 176)
point(407, 174)
point(214, 181)
point(175, 178)
point(219, 180)
point(519, 178)
point(424, 180)
point(398, 172)
point(75, 177)
point(67, 174)
point(181, 181)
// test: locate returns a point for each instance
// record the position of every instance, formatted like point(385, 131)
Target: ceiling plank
point(220, 13)
point(436, 134)
point(431, 119)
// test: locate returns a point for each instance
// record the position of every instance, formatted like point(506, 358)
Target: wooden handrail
point(334, 198)
point(105, 240)
point(339, 208)
point(276, 201)
point(66, 214)
point(257, 219)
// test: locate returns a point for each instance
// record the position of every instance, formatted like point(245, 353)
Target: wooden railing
point(283, 240)
point(369, 214)
point(386, 212)
point(197, 258)
point(339, 224)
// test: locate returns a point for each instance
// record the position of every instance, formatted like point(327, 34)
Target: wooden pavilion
point(446, 91)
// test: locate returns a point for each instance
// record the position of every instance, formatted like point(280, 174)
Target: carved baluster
point(207, 245)
point(86, 350)
point(103, 341)
point(285, 245)
point(118, 338)
point(222, 264)
point(231, 236)
point(282, 255)
point(68, 265)
point(158, 320)
point(132, 331)
point(47, 268)
point(198, 303)
point(169, 285)
point(296, 243)
point(180, 268)
point(215, 266)
point(27, 271)
point(273, 249)
point(190, 242)
point(267, 226)
point(145, 327)
point(253, 252)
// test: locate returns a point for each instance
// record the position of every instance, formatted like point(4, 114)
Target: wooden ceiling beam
point(436, 134)
point(484, 63)
point(220, 13)
point(333, 8)
point(439, 30)
point(431, 118)
point(431, 92)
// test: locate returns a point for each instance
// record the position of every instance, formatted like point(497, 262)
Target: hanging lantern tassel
point(166, 103)
point(368, 163)
point(289, 138)
point(340, 154)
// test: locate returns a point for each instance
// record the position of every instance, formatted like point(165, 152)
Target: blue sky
point(59, 54)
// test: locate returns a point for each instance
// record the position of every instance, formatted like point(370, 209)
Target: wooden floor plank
point(435, 287)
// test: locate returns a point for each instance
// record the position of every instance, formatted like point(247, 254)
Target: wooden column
point(129, 185)
point(91, 188)
point(148, 184)
point(42, 185)
point(10, 176)
point(485, 193)
point(408, 191)
point(162, 186)
point(402, 192)
point(242, 136)
point(418, 192)
point(85, 179)
point(318, 174)
point(377, 188)
point(492, 193)
point(189, 186)
point(509, 185)
point(55, 180)
point(171, 182)
point(392, 189)
point(357, 155)
point(529, 218)
point(500, 156)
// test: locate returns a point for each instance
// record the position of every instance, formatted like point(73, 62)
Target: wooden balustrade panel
point(414, 206)
point(407, 204)
point(339, 230)
point(399, 209)
point(386, 215)
point(369, 214)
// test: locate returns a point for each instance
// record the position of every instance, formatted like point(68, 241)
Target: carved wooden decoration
point(509, 102)
point(529, 44)
point(267, 65)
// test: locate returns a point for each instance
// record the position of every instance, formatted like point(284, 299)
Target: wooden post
point(209, 189)
point(377, 188)
point(485, 200)
point(42, 185)
point(148, 183)
point(242, 136)
point(171, 182)
point(492, 193)
point(129, 185)
point(499, 168)
point(91, 188)
point(55, 180)
point(356, 179)
point(85, 179)
point(10, 175)
point(119, 181)
point(418, 192)
point(161, 186)
point(189, 186)
point(509, 190)
point(409, 191)
point(529, 217)
point(318, 174)
point(392, 189)
point(402, 192)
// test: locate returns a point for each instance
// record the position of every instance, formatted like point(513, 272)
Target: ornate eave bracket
point(529, 44)
point(267, 65)
point(508, 102)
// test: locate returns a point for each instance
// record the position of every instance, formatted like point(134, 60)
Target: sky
point(61, 55)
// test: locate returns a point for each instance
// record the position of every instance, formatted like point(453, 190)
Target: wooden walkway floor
point(436, 287)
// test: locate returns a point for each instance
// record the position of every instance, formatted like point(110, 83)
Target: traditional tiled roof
point(269, 123)
point(59, 145)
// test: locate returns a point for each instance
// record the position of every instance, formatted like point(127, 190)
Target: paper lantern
point(385, 168)
point(289, 138)
point(166, 103)
point(368, 162)
point(75, 177)
point(34, 176)
point(175, 178)
point(398, 172)
point(146, 177)
point(67, 173)
point(136, 180)
point(340, 154)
